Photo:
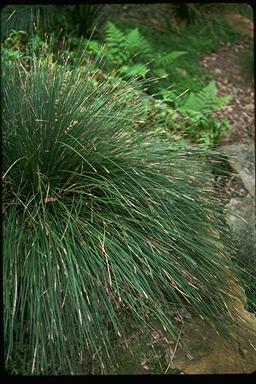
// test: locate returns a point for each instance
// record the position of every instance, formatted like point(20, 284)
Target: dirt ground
point(228, 68)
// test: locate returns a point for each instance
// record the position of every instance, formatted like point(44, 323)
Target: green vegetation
point(193, 114)
point(175, 62)
point(131, 53)
point(103, 207)
point(195, 40)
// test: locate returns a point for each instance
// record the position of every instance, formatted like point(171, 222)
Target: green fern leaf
point(163, 60)
point(116, 44)
point(138, 69)
point(137, 43)
point(161, 72)
point(206, 100)
point(114, 35)
point(133, 37)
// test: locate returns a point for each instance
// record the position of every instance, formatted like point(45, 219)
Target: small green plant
point(14, 48)
point(19, 46)
point(206, 100)
point(198, 109)
point(11, 55)
point(195, 112)
point(16, 39)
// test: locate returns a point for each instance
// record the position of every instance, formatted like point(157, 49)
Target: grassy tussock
point(99, 218)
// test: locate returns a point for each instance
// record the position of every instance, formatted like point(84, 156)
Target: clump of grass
point(99, 218)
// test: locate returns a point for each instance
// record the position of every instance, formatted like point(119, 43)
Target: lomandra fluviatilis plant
point(99, 219)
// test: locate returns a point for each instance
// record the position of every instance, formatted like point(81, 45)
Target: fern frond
point(206, 100)
point(114, 36)
point(116, 43)
point(167, 59)
point(137, 43)
point(137, 69)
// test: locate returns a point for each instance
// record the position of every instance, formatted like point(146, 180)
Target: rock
point(241, 159)
point(185, 313)
point(218, 71)
point(212, 354)
point(241, 215)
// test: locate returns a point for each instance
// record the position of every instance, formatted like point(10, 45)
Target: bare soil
point(228, 68)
